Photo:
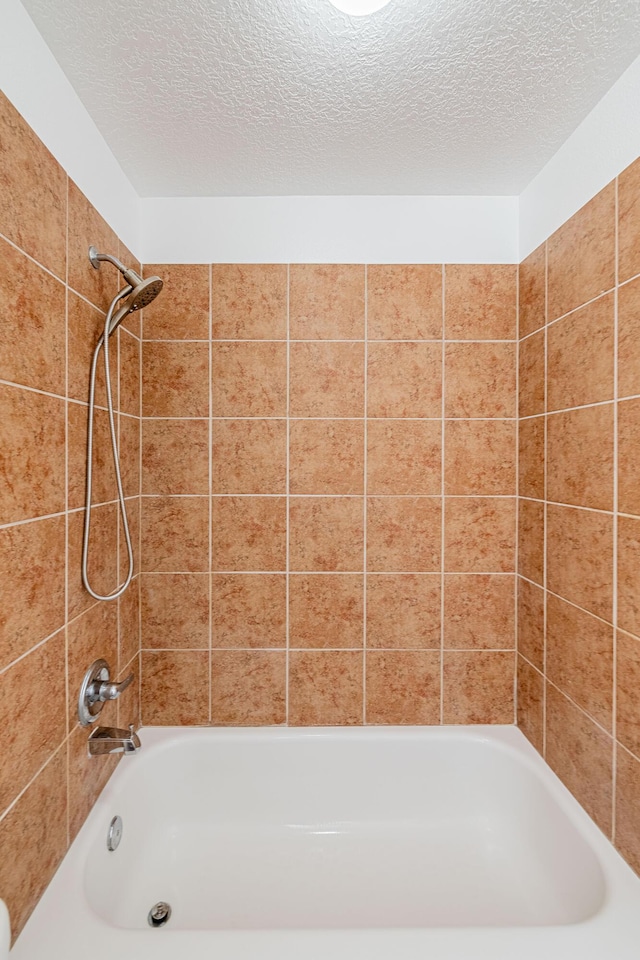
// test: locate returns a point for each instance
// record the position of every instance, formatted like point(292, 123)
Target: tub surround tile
point(531, 379)
point(325, 687)
point(628, 345)
point(102, 563)
point(249, 456)
point(128, 705)
point(175, 379)
point(87, 778)
point(403, 686)
point(248, 687)
point(628, 456)
point(326, 610)
point(629, 221)
point(248, 533)
point(581, 755)
point(580, 558)
point(104, 478)
point(403, 534)
point(248, 301)
point(530, 701)
point(89, 637)
point(580, 361)
point(326, 533)
point(478, 687)
point(175, 457)
point(404, 457)
point(175, 690)
point(181, 312)
point(326, 380)
point(87, 228)
point(249, 379)
point(403, 611)
point(175, 534)
point(628, 560)
point(531, 463)
point(480, 380)
point(326, 457)
point(480, 301)
point(129, 386)
point(32, 333)
point(627, 838)
point(129, 446)
point(479, 612)
point(628, 678)
point(479, 535)
point(531, 601)
point(532, 291)
point(133, 321)
point(531, 540)
point(133, 521)
point(480, 458)
point(248, 610)
point(174, 611)
point(580, 457)
point(404, 380)
point(581, 255)
point(33, 194)
point(326, 301)
point(404, 302)
point(85, 324)
point(128, 625)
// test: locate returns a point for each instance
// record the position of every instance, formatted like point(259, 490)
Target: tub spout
point(112, 740)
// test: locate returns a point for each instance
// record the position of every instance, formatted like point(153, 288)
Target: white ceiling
point(291, 97)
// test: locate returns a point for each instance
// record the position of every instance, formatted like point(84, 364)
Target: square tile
point(479, 612)
point(531, 458)
point(248, 533)
point(129, 627)
point(175, 379)
point(85, 324)
point(580, 558)
point(628, 587)
point(628, 808)
point(403, 611)
point(175, 534)
point(249, 301)
point(326, 610)
point(175, 457)
point(580, 359)
point(478, 687)
point(531, 378)
point(249, 379)
point(531, 599)
point(629, 221)
point(480, 380)
point(85, 228)
point(404, 457)
point(248, 610)
point(85, 782)
point(531, 540)
point(325, 688)
point(93, 634)
point(326, 533)
point(102, 560)
point(326, 457)
point(480, 301)
point(530, 704)
point(174, 611)
point(627, 680)
point(403, 687)
point(175, 687)
point(404, 301)
point(628, 456)
point(532, 291)
point(181, 312)
point(404, 380)
point(249, 456)
point(628, 343)
point(326, 301)
point(404, 534)
point(479, 535)
point(248, 687)
point(480, 458)
point(129, 374)
point(326, 380)
point(580, 457)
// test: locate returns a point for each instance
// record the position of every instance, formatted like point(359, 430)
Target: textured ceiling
point(285, 97)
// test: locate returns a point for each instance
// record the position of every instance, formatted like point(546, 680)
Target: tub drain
point(159, 914)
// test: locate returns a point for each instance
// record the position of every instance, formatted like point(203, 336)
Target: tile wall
point(328, 495)
point(51, 303)
point(579, 474)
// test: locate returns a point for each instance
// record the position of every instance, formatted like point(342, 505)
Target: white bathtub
point(339, 844)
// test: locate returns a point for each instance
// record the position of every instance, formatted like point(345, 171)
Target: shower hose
point(103, 344)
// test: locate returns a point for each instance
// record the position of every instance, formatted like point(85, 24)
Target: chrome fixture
point(138, 293)
point(114, 836)
point(113, 740)
point(159, 914)
point(97, 687)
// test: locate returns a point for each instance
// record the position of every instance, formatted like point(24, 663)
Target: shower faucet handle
point(98, 687)
point(110, 690)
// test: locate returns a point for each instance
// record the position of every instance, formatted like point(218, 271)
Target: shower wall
point(51, 304)
point(579, 555)
point(328, 495)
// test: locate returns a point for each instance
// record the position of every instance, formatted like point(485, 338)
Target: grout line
point(442, 490)
point(546, 505)
point(287, 625)
point(616, 504)
point(66, 508)
point(62, 745)
point(479, 650)
point(348, 340)
point(210, 479)
point(517, 531)
point(365, 489)
point(335, 573)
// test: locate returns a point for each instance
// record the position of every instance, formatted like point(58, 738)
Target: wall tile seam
point(587, 303)
point(584, 712)
point(81, 403)
point(239, 340)
point(616, 504)
point(310, 649)
point(329, 573)
point(517, 484)
point(33, 260)
point(62, 745)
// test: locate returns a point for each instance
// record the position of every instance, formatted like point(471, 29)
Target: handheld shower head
point(143, 293)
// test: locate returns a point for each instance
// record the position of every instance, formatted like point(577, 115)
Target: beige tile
point(326, 380)
point(479, 612)
point(480, 458)
point(627, 837)
point(87, 778)
point(87, 228)
point(581, 255)
point(580, 558)
point(130, 385)
point(175, 534)
point(404, 457)
point(248, 610)
point(479, 535)
point(102, 558)
point(85, 324)
point(33, 845)
point(580, 658)
point(532, 292)
point(248, 687)
point(248, 533)
point(629, 221)
point(175, 379)
point(326, 457)
point(627, 680)
point(480, 301)
point(580, 457)
point(326, 301)
point(128, 705)
point(174, 611)
point(175, 687)
point(104, 486)
point(581, 356)
point(31, 736)
point(33, 198)
point(530, 701)
point(175, 457)
point(133, 522)
point(404, 380)
point(531, 458)
point(480, 380)
point(129, 624)
point(249, 456)
point(403, 686)
point(325, 687)
point(628, 586)
point(129, 456)
point(249, 379)
point(326, 610)
point(404, 301)
point(628, 342)
point(531, 381)
point(32, 454)
point(403, 534)
point(326, 533)
point(181, 312)
point(478, 687)
point(581, 755)
point(31, 586)
point(32, 333)
point(531, 622)
point(92, 636)
point(531, 540)
point(628, 456)
point(249, 301)
point(403, 611)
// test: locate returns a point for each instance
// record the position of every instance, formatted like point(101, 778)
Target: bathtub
point(325, 844)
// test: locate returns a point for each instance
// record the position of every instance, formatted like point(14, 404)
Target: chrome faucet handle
point(110, 690)
point(97, 687)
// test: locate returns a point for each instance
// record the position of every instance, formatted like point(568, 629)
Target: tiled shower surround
point(328, 495)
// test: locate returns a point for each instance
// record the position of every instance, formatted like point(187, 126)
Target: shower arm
point(97, 258)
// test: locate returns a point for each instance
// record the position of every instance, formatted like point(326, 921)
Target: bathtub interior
point(251, 830)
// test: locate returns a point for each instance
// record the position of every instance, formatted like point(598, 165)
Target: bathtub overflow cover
point(159, 914)
point(114, 835)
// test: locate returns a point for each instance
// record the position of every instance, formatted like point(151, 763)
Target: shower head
point(143, 293)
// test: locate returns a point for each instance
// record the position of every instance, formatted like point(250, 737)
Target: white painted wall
point(34, 82)
point(606, 142)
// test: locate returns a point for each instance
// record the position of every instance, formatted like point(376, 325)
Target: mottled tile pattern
point(326, 301)
point(404, 302)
